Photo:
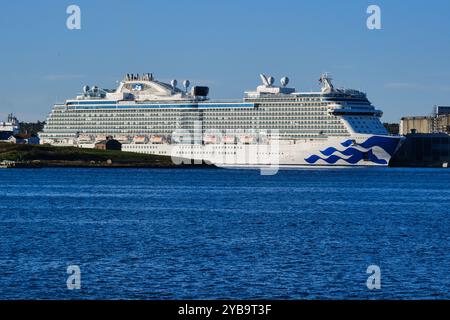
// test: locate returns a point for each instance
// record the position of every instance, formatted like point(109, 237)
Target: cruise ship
point(9, 128)
point(272, 125)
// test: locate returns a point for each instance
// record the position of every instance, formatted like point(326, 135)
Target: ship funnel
point(264, 79)
point(327, 85)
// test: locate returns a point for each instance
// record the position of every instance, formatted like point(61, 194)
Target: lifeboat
point(210, 139)
point(100, 138)
point(248, 139)
point(157, 139)
point(140, 139)
point(84, 138)
point(123, 139)
point(229, 139)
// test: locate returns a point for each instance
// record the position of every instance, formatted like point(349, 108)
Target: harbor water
point(219, 234)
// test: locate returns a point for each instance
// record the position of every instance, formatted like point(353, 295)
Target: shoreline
point(106, 166)
point(27, 156)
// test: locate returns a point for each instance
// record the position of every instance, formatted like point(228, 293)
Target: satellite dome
point(94, 88)
point(174, 83)
point(86, 89)
point(271, 80)
point(186, 83)
point(284, 81)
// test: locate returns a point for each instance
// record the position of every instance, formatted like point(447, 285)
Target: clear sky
point(404, 67)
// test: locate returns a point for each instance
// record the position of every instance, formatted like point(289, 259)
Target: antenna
point(434, 121)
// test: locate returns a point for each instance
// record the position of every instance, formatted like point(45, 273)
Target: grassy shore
point(50, 156)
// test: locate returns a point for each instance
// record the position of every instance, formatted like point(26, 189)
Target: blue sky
point(404, 68)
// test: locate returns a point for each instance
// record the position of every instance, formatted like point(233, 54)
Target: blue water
point(210, 234)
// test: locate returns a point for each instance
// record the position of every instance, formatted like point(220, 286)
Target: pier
point(423, 150)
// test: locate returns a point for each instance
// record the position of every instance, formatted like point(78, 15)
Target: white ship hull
point(361, 150)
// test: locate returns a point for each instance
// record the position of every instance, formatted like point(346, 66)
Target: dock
point(423, 150)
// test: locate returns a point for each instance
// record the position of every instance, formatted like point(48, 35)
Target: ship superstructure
point(9, 128)
point(10, 125)
point(272, 123)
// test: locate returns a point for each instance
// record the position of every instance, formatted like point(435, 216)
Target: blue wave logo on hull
point(347, 143)
point(353, 155)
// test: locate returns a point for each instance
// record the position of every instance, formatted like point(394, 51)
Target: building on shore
point(392, 128)
point(108, 144)
point(419, 124)
point(22, 139)
point(438, 122)
point(427, 140)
